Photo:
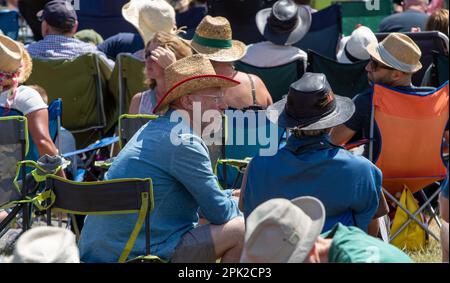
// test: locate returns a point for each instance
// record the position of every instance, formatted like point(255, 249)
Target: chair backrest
point(411, 128)
point(120, 196)
point(277, 79)
point(13, 148)
point(127, 79)
point(345, 79)
point(427, 42)
point(440, 62)
point(367, 13)
point(324, 33)
point(9, 23)
point(130, 124)
point(248, 134)
point(81, 83)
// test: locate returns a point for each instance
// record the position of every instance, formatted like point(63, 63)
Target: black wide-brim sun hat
point(345, 108)
point(287, 38)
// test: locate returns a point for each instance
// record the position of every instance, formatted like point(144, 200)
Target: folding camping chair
point(345, 79)
point(9, 23)
point(14, 146)
point(278, 78)
point(427, 42)
point(130, 124)
point(120, 196)
point(82, 84)
point(247, 134)
point(127, 79)
point(324, 33)
point(411, 127)
point(440, 62)
point(358, 12)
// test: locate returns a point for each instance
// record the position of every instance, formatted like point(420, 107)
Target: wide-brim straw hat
point(188, 75)
point(282, 231)
point(213, 38)
point(149, 17)
point(15, 58)
point(397, 51)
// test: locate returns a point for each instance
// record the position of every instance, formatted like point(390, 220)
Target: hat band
point(394, 62)
point(350, 56)
point(211, 42)
point(306, 121)
point(281, 26)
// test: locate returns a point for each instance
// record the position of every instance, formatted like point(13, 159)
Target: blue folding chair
point(9, 23)
point(323, 35)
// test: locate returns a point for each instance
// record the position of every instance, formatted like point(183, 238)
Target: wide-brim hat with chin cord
point(397, 51)
point(354, 47)
point(188, 75)
point(149, 17)
point(213, 39)
point(15, 58)
point(282, 231)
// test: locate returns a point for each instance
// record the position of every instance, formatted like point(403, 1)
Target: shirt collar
point(294, 142)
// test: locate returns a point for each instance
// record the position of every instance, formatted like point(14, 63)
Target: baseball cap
point(58, 14)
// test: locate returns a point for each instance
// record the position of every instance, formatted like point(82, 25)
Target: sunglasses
point(376, 65)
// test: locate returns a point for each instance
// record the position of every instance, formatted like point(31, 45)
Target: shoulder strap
point(252, 83)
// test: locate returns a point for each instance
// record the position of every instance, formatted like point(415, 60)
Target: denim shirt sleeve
point(366, 198)
point(191, 166)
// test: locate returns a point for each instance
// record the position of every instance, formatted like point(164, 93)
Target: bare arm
point(340, 135)
point(38, 127)
point(134, 104)
point(262, 93)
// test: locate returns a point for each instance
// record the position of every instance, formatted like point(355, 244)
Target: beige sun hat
point(281, 231)
point(213, 38)
point(354, 47)
point(45, 244)
point(15, 58)
point(397, 51)
point(188, 75)
point(150, 16)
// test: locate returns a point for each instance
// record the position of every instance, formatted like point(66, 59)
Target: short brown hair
point(438, 21)
point(172, 42)
point(296, 132)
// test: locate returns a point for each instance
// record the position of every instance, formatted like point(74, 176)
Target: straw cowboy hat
point(45, 244)
point(188, 75)
point(213, 38)
point(311, 105)
point(150, 16)
point(285, 23)
point(354, 47)
point(15, 58)
point(397, 51)
point(281, 231)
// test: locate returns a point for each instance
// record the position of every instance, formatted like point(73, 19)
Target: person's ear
point(75, 28)
point(397, 75)
point(187, 102)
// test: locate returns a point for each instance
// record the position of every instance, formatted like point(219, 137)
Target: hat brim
point(372, 50)
point(302, 28)
point(344, 111)
point(315, 210)
point(340, 56)
point(193, 84)
point(27, 66)
point(235, 53)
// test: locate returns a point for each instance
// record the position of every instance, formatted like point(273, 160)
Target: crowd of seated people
point(326, 200)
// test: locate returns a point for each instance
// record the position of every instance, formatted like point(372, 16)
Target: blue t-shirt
point(349, 186)
point(124, 42)
point(403, 22)
point(183, 185)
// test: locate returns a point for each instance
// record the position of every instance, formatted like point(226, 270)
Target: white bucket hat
point(150, 16)
point(353, 48)
point(280, 231)
point(45, 244)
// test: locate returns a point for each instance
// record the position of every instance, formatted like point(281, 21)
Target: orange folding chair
point(411, 127)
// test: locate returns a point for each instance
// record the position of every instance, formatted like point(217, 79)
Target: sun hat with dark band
point(213, 38)
point(397, 51)
point(188, 75)
point(311, 105)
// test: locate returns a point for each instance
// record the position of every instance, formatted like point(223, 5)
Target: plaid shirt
point(63, 47)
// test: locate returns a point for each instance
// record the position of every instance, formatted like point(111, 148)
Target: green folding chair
point(82, 85)
point(357, 12)
point(345, 79)
point(127, 79)
point(120, 196)
point(13, 148)
point(440, 62)
point(277, 79)
point(130, 124)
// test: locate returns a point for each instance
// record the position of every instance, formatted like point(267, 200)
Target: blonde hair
point(438, 21)
point(172, 42)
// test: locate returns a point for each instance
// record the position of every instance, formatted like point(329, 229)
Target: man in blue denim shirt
point(174, 155)
point(310, 165)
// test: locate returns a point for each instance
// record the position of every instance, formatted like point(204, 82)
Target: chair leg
point(433, 212)
point(412, 217)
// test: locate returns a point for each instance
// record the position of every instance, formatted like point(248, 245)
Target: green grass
point(431, 253)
